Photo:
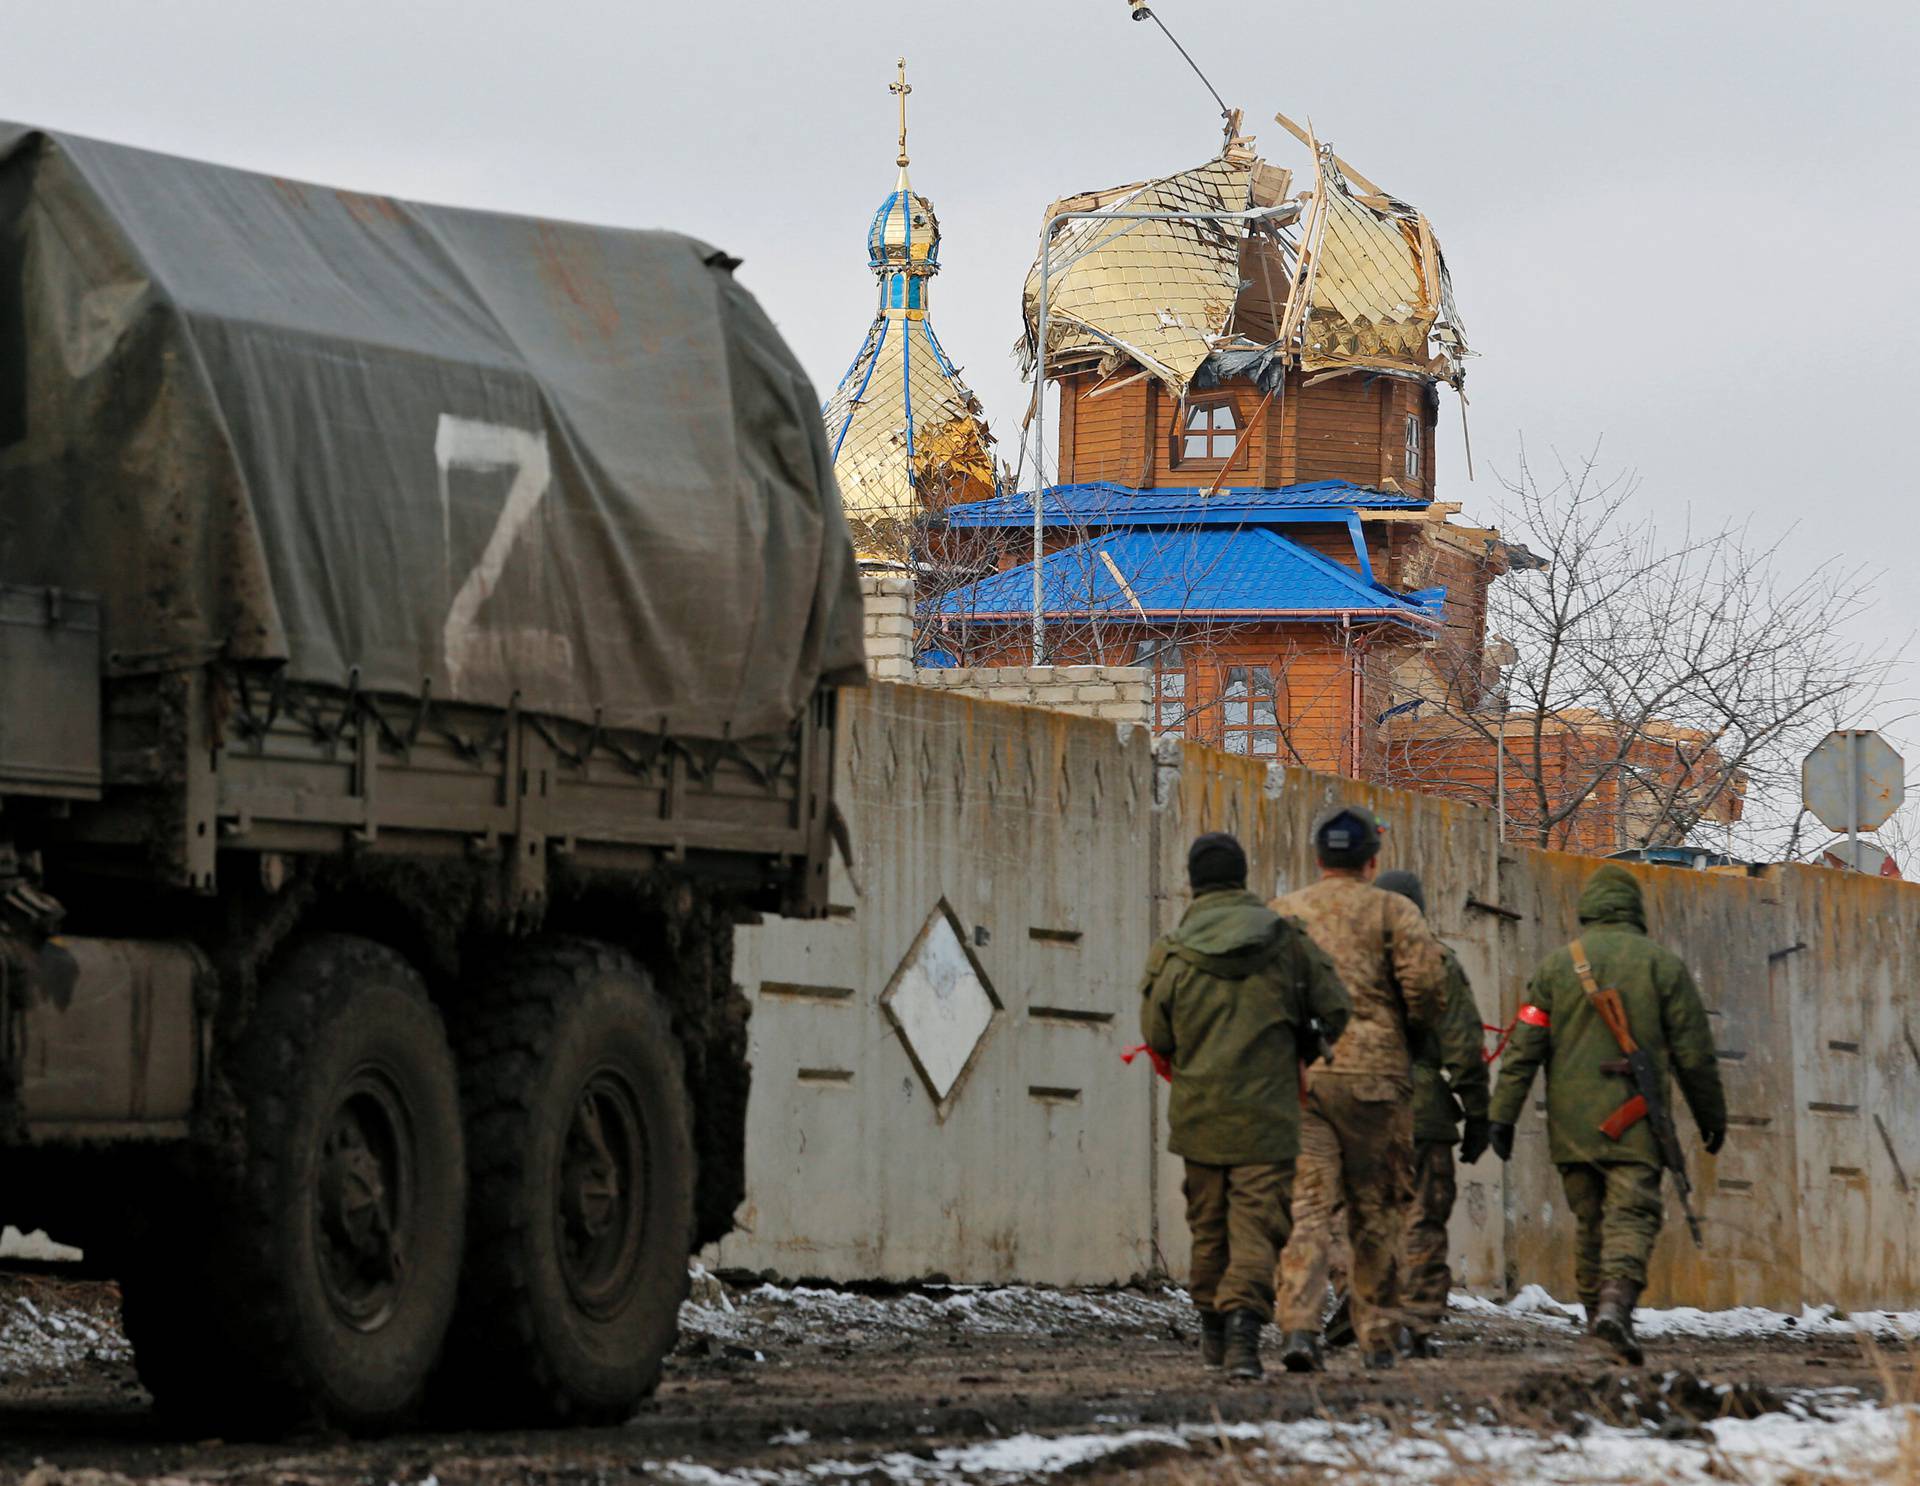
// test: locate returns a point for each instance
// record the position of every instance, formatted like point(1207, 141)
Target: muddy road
point(774, 1385)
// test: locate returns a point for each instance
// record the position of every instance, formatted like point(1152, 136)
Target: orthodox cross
point(900, 87)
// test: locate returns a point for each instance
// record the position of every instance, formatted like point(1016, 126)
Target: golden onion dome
point(908, 437)
point(905, 233)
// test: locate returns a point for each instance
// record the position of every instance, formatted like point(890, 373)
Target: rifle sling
point(1637, 1107)
point(1634, 1110)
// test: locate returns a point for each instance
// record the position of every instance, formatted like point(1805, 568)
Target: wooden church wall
point(1124, 429)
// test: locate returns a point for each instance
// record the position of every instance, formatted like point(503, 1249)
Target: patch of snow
point(704, 1288)
point(1022, 1456)
point(1753, 1320)
point(1536, 1304)
point(52, 1337)
point(1533, 1300)
point(36, 1246)
point(1858, 1442)
point(777, 1315)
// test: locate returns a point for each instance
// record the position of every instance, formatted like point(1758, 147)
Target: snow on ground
point(36, 1245)
point(1811, 1445)
point(785, 1315)
point(1534, 1304)
point(45, 1335)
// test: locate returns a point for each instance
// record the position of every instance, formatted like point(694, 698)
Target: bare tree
point(1641, 688)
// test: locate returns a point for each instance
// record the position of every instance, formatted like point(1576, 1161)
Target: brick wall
point(1117, 693)
point(889, 626)
point(1114, 693)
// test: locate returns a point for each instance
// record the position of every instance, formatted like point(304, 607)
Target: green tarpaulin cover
point(294, 426)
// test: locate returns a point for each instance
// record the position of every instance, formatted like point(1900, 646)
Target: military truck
point(418, 634)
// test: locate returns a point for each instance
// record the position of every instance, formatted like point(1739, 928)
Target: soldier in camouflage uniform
point(1230, 1000)
point(1450, 1085)
point(1612, 1186)
point(1356, 1133)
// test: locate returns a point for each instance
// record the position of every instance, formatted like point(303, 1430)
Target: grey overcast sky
point(1689, 227)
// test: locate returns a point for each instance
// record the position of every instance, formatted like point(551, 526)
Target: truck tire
point(581, 1172)
point(333, 1261)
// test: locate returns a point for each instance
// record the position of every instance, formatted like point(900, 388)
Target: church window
point(1209, 432)
point(1413, 447)
point(1169, 671)
point(1250, 712)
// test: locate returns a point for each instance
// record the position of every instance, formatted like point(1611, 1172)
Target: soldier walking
point(1356, 1132)
point(1598, 1131)
point(1228, 1001)
point(1450, 1086)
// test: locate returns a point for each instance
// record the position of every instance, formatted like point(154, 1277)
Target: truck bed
point(217, 760)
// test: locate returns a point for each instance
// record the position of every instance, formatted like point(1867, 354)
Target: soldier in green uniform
point(1450, 1086)
point(1228, 1001)
point(1612, 1185)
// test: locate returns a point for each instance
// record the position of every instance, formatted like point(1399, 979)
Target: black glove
point(1473, 1139)
point(1713, 1140)
point(1500, 1137)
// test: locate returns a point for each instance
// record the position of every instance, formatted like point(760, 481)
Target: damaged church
point(1244, 500)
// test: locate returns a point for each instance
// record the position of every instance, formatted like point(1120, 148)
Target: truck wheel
point(334, 1264)
point(580, 1151)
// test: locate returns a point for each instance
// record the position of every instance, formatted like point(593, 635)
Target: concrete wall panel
point(1024, 836)
point(1053, 850)
point(1855, 1016)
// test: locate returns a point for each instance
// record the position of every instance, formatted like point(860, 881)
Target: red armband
point(1160, 1065)
point(1533, 1016)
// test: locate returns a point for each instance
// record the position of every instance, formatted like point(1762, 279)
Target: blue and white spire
point(906, 433)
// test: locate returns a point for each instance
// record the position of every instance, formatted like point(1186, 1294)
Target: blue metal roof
point(1101, 503)
point(1245, 573)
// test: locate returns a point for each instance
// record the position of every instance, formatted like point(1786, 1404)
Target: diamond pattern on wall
point(942, 1004)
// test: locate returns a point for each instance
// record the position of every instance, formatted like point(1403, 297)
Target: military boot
point(1301, 1353)
point(1380, 1356)
point(1243, 1344)
point(1613, 1320)
point(1213, 1339)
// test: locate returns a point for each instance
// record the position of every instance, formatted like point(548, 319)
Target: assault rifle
point(1649, 1098)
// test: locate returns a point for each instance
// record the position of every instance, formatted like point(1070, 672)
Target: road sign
point(1853, 780)
point(1860, 856)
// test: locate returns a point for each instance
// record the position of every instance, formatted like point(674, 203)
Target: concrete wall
point(1111, 693)
point(1038, 855)
point(864, 1160)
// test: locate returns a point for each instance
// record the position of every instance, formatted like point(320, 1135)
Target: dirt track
point(870, 1388)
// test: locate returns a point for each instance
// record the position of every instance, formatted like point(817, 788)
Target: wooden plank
point(1387, 423)
point(1072, 391)
point(1139, 447)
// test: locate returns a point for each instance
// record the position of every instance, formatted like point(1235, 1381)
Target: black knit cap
point(1406, 884)
point(1215, 861)
point(1347, 836)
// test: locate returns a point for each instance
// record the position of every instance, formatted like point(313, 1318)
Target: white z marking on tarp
point(468, 443)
